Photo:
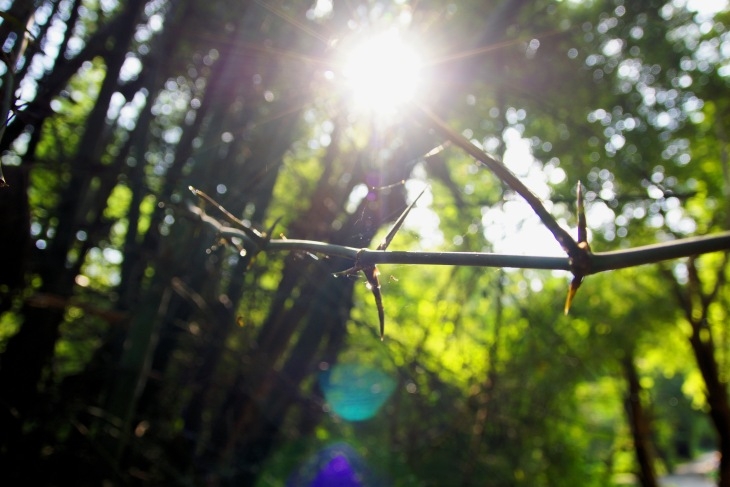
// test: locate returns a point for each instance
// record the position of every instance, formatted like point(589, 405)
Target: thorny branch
point(365, 258)
point(600, 261)
point(505, 175)
point(579, 252)
point(371, 271)
point(581, 261)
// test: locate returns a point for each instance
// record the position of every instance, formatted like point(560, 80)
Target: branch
point(652, 254)
point(371, 271)
point(600, 261)
point(251, 234)
point(505, 175)
point(581, 261)
point(365, 260)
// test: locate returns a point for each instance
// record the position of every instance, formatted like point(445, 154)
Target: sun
point(382, 73)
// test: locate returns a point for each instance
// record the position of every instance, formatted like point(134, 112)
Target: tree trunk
point(15, 229)
point(640, 425)
point(695, 304)
point(716, 393)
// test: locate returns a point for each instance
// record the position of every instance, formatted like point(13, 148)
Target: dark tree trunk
point(36, 111)
point(640, 425)
point(695, 303)
point(716, 393)
point(15, 229)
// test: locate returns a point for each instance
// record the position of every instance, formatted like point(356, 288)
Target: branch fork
point(259, 240)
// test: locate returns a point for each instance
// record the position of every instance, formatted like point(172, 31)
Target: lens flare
point(355, 392)
point(338, 465)
point(382, 73)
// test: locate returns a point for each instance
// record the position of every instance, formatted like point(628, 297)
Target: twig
point(251, 234)
point(652, 254)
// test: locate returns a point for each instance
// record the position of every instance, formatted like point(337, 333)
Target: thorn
point(396, 226)
point(581, 261)
point(352, 271)
point(437, 149)
point(574, 285)
point(271, 228)
point(371, 273)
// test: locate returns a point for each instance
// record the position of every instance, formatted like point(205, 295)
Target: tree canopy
point(312, 243)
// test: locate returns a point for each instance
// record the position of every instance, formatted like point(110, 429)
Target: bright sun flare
point(382, 73)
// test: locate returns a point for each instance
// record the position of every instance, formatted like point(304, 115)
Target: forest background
point(146, 342)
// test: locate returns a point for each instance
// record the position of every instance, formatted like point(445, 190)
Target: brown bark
point(716, 393)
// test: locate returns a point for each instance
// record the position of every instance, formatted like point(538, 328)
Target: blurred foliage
point(154, 352)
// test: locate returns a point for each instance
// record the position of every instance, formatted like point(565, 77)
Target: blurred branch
point(14, 23)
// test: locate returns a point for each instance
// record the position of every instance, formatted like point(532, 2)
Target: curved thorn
point(371, 274)
point(574, 285)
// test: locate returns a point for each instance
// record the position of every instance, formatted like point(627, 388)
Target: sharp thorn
point(574, 285)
